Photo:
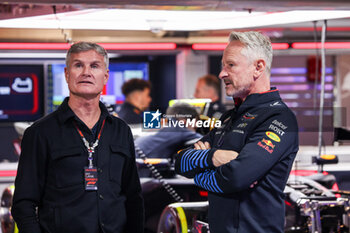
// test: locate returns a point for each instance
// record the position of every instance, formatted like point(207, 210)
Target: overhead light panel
point(222, 46)
point(107, 46)
point(318, 45)
point(158, 20)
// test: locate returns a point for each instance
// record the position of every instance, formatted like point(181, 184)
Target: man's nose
point(222, 74)
point(86, 70)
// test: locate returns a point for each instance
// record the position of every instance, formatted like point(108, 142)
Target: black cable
point(158, 176)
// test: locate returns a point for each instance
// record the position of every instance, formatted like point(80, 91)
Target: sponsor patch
point(242, 125)
point(248, 116)
point(238, 131)
point(273, 136)
point(268, 143)
point(265, 146)
point(279, 124)
point(276, 129)
point(277, 103)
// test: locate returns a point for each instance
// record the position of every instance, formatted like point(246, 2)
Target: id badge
point(90, 175)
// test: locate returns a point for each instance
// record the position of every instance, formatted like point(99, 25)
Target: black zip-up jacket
point(51, 178)
point(264, 131)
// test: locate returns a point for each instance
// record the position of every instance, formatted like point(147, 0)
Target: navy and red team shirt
point(264, 131)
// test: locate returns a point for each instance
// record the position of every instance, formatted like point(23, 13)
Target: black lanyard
point(90, 149)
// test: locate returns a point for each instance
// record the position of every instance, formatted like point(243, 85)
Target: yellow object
point(194, 102)
point(213, 120)
point(153, 161)
point(328, 157)
point(16, 229)
point(273, 136)
point(183, 220)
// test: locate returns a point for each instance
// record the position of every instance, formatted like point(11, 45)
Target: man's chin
point(230, 93)
point(87, 95)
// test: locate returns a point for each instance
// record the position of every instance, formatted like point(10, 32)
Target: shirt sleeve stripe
point(190, 159)
point(194, 158)
point(183, 161)
point(205, 160)
point(203, 153)
point(207, 180)
point(216, 184)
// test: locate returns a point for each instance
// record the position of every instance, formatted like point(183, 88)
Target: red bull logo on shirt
point(267, 145)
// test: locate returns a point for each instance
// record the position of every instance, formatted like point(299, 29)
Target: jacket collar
point(66, 113)
point(256, 99)
point(132, 107)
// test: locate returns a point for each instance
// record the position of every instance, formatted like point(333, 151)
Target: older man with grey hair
point(245, 163)
point(77, 170)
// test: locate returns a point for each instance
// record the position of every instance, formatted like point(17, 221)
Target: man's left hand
point(201, 145)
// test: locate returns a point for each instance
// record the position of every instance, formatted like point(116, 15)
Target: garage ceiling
point(338, 29)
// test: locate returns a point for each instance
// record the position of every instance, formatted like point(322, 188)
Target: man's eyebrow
point(96, 61)
point(76, 60)
point(230, 59)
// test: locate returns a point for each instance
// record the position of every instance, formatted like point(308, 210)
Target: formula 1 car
point(157, 193)
point(173, 204)
point(312, 206)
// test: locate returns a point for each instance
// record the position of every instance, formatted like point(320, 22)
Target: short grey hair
point(257, 46)
point(87, 46)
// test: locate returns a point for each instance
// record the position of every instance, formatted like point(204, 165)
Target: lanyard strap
point(90, 149)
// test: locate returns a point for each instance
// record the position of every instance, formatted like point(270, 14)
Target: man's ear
point(260, 66)
point(106, 77)
point(66, 74)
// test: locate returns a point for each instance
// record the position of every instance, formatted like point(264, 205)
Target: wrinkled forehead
point(89, 56)
point(233, 47)
point(233, 50)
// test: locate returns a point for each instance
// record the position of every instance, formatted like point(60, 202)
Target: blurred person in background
point(137, 99)
point(208, 87)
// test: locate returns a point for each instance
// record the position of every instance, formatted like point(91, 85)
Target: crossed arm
point(220, 157)
point(202, 162)
point(223, 171)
